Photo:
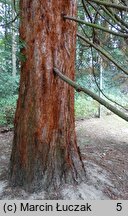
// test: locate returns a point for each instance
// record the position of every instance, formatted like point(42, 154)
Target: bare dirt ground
point(104, 147)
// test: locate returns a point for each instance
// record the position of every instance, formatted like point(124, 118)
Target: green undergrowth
point(86, 107)
point(7, 110)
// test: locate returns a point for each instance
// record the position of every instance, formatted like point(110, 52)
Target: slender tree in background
point(14, 47)
point(8, 37)
point(6, 20)
point(44, 150)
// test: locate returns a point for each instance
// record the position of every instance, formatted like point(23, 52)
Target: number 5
point(119, 207)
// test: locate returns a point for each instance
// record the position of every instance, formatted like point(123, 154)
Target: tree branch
point(10, 22)
point(95, 79)
point(96, 26)
point(118, 18)
point(117, 21)
point(86, 10)
point(107, 55)
point(78, 88)
point(116, 6)
point(111, 16)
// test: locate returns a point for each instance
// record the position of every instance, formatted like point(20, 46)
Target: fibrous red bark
point(44, 149)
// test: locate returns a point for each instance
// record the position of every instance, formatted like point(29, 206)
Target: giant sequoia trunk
point(44, 149)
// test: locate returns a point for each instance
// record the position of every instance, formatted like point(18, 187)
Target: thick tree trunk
point(44, 150)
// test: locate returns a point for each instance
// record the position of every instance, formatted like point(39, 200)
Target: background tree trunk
point(13, 43)
point(44, 149)
point(100, 85)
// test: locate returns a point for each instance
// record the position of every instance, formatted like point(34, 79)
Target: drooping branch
point(111, 13)
point(117, 21)
point(102, 92)
point(103, 52)
point(96, 26)
point(118, 18)
point(124, 2)
point(112, 5)
point(111, 16)
point(86, 10)
point(10, 22)
point(78, 88)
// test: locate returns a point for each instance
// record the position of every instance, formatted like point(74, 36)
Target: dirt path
point(104, 148)
point(108, 130)
point(104, 143)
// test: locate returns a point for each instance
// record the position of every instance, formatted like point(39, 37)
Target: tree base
point(57, 172)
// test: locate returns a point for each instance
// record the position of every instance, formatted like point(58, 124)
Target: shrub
point(7, 110)
point(8, 85)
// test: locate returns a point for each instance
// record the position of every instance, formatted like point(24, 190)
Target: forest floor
point(104, 148)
